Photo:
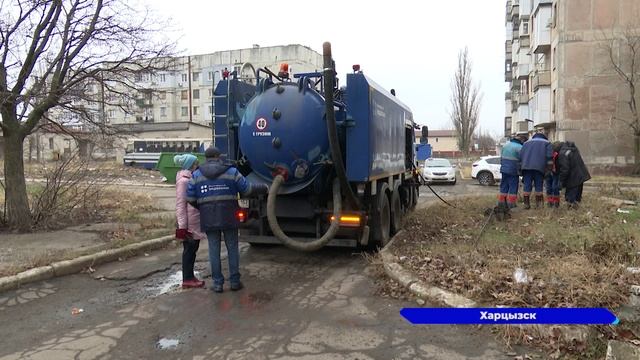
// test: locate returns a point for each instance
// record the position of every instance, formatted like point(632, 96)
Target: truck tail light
point(348, 220)
point(242, 215)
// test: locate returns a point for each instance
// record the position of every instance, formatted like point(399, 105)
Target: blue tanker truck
point(340, 161)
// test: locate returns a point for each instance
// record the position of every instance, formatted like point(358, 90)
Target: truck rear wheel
point(381, 222)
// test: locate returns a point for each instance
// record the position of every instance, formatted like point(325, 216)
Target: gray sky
point(411, 46)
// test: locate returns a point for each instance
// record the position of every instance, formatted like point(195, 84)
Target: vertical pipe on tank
point(336, 152)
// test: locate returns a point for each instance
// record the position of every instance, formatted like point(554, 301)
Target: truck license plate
point(243, 203)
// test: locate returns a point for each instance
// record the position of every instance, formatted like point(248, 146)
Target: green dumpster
point(168, 169)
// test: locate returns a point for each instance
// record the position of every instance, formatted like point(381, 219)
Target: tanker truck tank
point(283, 130)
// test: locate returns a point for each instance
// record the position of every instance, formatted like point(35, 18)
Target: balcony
point(542, 30)
point(541, 78)
point(508, 12)
point(515, 85)
point(522, 126)
point(523, 98)
point(507, 95)
point(144, 102)
point(523, 71)
point(525, 42)
point(508, 76)
point(541, 106)
point(515, 10)
point(538, 3)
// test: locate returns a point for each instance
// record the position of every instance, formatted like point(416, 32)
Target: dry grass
point(573, 258)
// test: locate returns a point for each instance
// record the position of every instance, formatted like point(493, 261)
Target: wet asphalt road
point(295, 306)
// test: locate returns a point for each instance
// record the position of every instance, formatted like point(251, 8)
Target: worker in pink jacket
point(188, 221)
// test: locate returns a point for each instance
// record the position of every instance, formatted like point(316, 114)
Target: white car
point(487, 170)
point(439, 170)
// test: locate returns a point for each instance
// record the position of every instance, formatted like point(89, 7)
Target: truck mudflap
point(337, 242)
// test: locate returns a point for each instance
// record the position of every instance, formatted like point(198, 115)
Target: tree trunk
point(18, 214)
point(636, 154)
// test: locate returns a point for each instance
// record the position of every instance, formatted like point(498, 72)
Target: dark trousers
point(553, 185)
point(532, 179)
point(573, 195)
point(215, 237)
point(189, 250)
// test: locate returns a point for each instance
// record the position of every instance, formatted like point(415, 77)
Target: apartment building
point(559, 74)
point(185, 92)
point(175, 103)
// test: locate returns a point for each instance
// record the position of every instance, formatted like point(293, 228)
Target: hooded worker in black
point(572, 171)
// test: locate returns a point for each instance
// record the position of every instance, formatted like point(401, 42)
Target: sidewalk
point(39, 255)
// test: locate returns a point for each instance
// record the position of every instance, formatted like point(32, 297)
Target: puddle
point(171, 283)
point(167, 344)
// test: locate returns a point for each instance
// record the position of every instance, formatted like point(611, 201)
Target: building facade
point(185, 92)
point(176, 102)
point(560, 77)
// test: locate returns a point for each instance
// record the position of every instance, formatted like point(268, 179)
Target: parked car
point(439, 170)
point(487, 170)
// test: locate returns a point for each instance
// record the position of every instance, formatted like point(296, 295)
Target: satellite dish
point(247, 73)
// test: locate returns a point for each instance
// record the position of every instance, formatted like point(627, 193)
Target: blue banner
point(486, 316)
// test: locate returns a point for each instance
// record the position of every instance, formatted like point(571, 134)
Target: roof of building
point(438, 133)
point(159, 126)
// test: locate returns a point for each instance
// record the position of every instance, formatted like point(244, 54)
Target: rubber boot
point(539, 201)
point(527, 202)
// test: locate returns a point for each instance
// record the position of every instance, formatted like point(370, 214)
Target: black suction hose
point(299, 245)
point(336, 153)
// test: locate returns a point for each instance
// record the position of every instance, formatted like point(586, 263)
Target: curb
point(395, 271)
point(622, 185)
point(115, 183)
point(417, 287)
point(66, 267)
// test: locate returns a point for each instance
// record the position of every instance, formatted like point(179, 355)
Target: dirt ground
point(538, 258)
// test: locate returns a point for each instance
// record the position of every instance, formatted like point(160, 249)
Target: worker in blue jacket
point(214, 190)
point(510, 169)
point(536, 155)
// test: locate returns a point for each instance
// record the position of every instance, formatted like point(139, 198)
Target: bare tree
point(54, 53)
point(465, 102)
point(486, 142)
point(624, 54)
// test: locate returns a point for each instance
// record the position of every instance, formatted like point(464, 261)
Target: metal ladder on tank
point(223, 116)
point(228, 100)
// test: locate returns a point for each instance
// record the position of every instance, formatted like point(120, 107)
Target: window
point(184, 94)
point(162, 95)
point(195, 110)
point(162, 77)
point(554, 17)
point(525, 28)
point(493, 161)
point(436, 139)
point(195, 76)
point(163, 111)
point(555, 58)
point(196, 94)
point(210, 93)
point(50, 143)
point(210, 75)
point(112, 113)
point(236, 69)
point(508, 67)
point(185, 111)
point(210, 109)
point(553, 104)
point(184, 77)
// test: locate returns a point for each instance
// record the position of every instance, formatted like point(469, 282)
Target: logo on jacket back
point(213, 188)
